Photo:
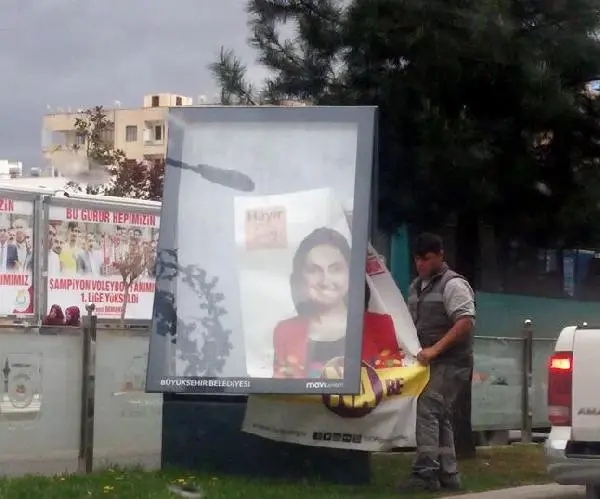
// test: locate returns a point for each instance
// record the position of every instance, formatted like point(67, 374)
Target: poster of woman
point(304, 344)
point(294, 274)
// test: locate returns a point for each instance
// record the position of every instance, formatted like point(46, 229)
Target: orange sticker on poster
point(266, 228)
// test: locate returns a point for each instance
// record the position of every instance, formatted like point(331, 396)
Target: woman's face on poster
point(326, 275)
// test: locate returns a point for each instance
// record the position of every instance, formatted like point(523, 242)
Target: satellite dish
point(77, 167)
point(118, 103)
point(202, 99)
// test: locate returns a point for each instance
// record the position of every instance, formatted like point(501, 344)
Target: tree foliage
point(230, 74)
point(131, 265)
point(482, 104)
point(96, 131)
point(484, 113)
point(130, 178)
point(138, 180)
point(95, 138)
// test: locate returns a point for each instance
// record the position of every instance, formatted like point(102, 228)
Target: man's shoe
point(451, 486)
point(417, 484)
point(451, 483)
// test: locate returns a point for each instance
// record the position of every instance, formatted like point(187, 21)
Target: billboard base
point(203, 434)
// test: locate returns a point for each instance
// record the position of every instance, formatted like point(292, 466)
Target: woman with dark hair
point(319, 285)
point(73, 316)
point(55, 317)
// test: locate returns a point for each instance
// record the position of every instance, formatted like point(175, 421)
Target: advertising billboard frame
point(34, 199)
point(161, 373)
point(100, 203)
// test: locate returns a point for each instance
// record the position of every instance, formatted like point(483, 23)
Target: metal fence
point(69, 394)
point(510, 383)
point(73, 399)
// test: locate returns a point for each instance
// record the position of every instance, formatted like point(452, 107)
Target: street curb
point(411, 450)
point(550, 491)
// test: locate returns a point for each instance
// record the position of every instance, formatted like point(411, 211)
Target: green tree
point(131, 265)
point(95, 132)
point(235, 89)
point(138, 180)
point(130, 178)
point(484, 115)
point(465, 94)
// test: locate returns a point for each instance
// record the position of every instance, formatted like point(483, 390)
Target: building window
point(178, 101)
point(79, 139)
point(155, 101)
point(158, 133)
point(131, 133)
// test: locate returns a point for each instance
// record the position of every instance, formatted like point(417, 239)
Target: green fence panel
point(497, 383)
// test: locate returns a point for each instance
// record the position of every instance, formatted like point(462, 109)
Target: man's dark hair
point(428, 243)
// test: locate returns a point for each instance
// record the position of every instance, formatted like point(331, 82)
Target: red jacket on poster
point(290, 339)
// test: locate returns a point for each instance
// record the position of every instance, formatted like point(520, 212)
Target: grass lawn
point(492, 469)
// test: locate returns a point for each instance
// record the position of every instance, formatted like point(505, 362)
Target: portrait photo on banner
point(255, 203)
point(294, 274)
point(16, 257)
point(93, 253)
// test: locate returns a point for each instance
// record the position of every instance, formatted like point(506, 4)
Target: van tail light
point(560, 388)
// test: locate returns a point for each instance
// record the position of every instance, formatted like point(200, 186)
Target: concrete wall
point(40, 401)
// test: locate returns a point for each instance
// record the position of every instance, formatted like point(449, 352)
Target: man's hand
point(426, 355)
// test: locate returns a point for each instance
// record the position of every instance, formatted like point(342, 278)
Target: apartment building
point(141, 133)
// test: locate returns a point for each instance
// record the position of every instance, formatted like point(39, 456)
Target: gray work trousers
point(436, 458)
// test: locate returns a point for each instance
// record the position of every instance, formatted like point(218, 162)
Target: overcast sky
point(80, 53)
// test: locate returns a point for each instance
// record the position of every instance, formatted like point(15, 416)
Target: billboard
point(16, 257)
point(102, 256)
point(260, 284)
